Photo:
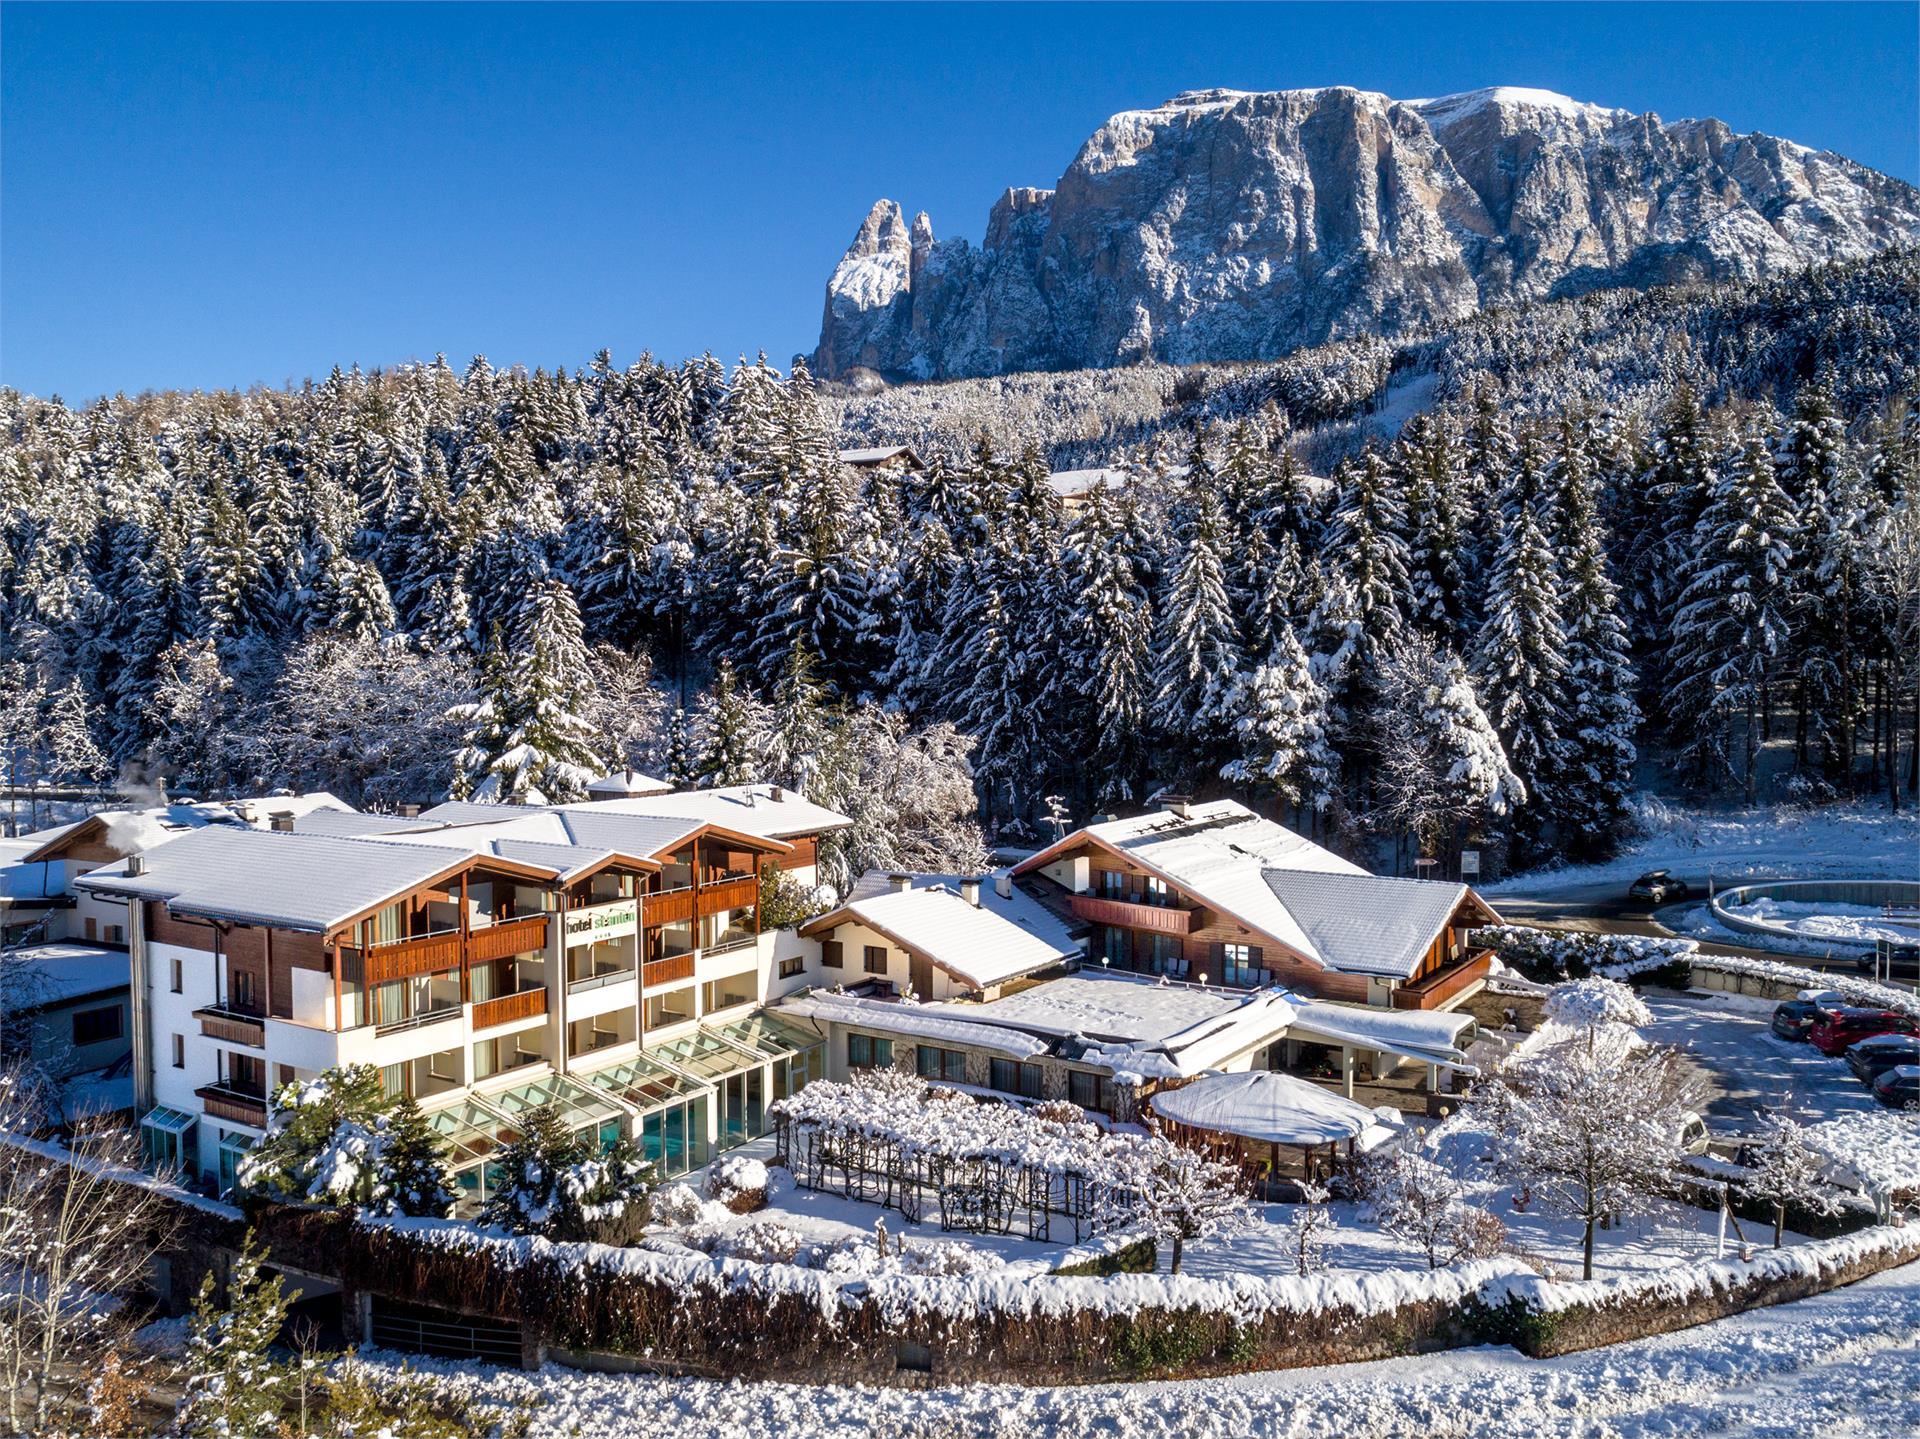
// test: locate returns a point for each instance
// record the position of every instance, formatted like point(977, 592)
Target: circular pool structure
point(1847, 913)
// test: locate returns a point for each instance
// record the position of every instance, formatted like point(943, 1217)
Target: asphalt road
point(1603, 908)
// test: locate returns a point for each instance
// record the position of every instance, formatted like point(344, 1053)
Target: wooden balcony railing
point(1443, 985)
point(728, 894)
point(666, 971)
point(405, 958)
point(673, 907)
point(232, 1026)
point(1151, 917)
point(508, 1007)
point(233, 1106)
point(506, 939)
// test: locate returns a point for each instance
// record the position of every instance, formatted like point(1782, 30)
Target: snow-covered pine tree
point(1520, 655)
point(414, 1164)
point(1596, 779)
point(1107, 647)
point(1196, 642)
point(1439, 547)
point(234, 1385)
point(729, 722)
point(1733, 625)
point(1280, 725)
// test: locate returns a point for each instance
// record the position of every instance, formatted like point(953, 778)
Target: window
point(246, 1074)
point(1240, 964)
point(1166, 956)
point(946, 1064)
point(179, 1051)
point(243, 996)
point(1011, 1078)
point(1117, 946)
point(876, 959)
point(832, 953)
point(1090, 1091)
point(728, 992)
point(790, 967)
point(176, 976)
point(1157, 892)
point(866, 1051)
point(117, 934)
point(96, 1026)
point(1113, 884)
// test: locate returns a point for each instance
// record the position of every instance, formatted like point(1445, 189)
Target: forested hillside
point(1679, 522)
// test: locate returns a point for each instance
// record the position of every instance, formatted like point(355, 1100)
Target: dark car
point(1898, 1087)
point(1834, 1033)
point(1871, 1058)
point(1795, 1019)
point(1658, 886)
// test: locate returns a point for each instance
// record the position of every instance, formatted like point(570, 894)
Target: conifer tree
point(728, 722)
point(1108, 646)
point(1280, 727)
point(1196, 642)
point(234, 1385)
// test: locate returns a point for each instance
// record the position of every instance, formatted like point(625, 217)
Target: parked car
point(1899, 1086)
point(1900, 962)
point(1658, 886)
point(1833, 1033)
point(1795, 1019)
point(1694, 1139)
point(1871, 1058)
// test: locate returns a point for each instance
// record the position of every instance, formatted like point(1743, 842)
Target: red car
point(1832, 1033)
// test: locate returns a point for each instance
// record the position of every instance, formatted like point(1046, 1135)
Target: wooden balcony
point(673, 907)
point(667, 971)
point(727, 894)
point(406, 958)
point(1441, 987)
point(527, 1004)
point(232, 1027)
point(1153, 918)
point(506, 939)
point(233, 1106)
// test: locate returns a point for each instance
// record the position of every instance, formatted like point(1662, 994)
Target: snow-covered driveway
point(1750, 1069)
point(1840, 1364)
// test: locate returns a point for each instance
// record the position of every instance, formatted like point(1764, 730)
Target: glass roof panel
point(170, 1120)
point(707, 1056)
point(763, 1034)
point(644, 1084)
point(578, 1105)
point(472, 1131)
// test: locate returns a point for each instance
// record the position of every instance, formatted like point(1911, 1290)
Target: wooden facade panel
point(673, 907)
point(667, 971)
point(728, 894)
point(409, 957)
point(508, 1007)
point(163, 928)
point(806, 851)
point(504, 941)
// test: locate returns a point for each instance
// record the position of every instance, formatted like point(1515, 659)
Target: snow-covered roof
point(769, 811)
point(1367, 923)
point(628, 782)
point(304, 882)
point(1072, 484)
point(53, 973)
point(1427, 1034)
point(921, 1021)
point(878, 455)
point(1280, 884)
point(1001, 938)
point(1265, 1105)
point(129, 831)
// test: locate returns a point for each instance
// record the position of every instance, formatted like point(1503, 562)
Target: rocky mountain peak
point(1236, 225)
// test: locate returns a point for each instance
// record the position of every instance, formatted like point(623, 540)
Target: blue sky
point(212, 196)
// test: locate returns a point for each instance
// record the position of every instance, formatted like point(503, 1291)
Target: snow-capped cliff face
point(1231, 226)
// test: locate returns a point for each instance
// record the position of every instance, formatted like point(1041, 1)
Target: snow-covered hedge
point(1855, 991)
point(1573, 954)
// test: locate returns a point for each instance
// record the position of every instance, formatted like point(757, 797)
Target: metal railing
point(414, 1021)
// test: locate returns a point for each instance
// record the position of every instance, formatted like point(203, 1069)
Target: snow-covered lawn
point(1842, 1363)
point(1750, 1068)
point(1864, 840)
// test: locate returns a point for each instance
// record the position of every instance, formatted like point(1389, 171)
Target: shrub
point(740, 1184)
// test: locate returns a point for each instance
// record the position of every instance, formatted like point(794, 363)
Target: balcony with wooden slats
point(233, 1105)
point(409, 958)
point(727, 894)
point(1154, 918)
point(673, 907)
point(673, 968)
point(506, 939)
point(1441, 987)
point(527, 1004)
point(231, 1026)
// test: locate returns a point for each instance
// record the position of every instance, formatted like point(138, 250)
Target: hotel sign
point(603, 921)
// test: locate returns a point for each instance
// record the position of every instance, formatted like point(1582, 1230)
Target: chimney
point(281, 821)
point(777, 793)
point(970, 892)
point(1003, 885)
point(409, 811)
point(136, 864)
point(901, 882)
point(1180, 806)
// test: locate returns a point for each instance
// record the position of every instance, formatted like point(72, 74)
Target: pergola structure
point(1266, 1111)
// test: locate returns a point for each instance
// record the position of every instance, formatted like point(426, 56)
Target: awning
point(1430, 1036)
point(169, 1121)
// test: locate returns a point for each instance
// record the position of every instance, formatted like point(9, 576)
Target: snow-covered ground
point(1864, 841)
point(1749, 1067)
point(1698, 921)
point(1860, 923)
point(1846, 1363)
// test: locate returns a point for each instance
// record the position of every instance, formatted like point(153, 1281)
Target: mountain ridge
point(1242, 225)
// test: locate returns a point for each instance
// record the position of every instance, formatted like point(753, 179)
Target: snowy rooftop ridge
point(1001, 938)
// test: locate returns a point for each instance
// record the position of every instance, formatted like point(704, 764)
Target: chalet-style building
point(899, 458)
point(1214, 892)
point(606, 957)
point(939, 936)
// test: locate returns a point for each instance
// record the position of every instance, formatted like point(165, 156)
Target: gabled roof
point(921, 1021)
point(128, 831)
point(1369, 923)
point(768, 811)
point(1281, 885)
point(879, 455)
point(305, 882)
point(628, 783)
point(604, 826)
point(1002, 938)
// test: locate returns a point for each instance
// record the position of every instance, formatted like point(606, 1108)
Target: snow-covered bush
point(557, 1183)
point(1879, 1149)
point(341, 1140)
point(1426, 1204)
point(1585, 1003)
point(1788, 1170)
point(680, 1205)
point(1550, 954)
point(774, 1241)
point(1307, 1230)
point(738, 1183)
